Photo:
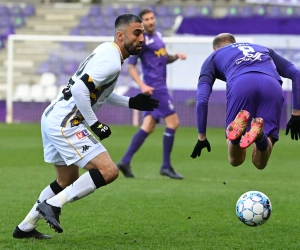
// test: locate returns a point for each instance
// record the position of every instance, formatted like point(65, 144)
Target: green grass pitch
point(152, 211)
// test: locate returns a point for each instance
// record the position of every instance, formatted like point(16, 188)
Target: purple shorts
point(261, 95)
point(165, 106)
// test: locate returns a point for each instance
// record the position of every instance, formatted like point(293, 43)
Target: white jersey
point(91, 85)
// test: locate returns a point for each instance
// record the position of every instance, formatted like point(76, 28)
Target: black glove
point(101, 130)
point(199, 146)
point(294, 125)
point(143, 102)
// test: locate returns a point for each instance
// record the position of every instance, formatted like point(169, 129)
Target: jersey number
point(82, 66)
point(249, 54)
point(247, 50)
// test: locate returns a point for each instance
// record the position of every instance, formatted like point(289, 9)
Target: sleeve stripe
point(88, 81)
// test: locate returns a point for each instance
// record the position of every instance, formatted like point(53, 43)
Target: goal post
point(10, 59)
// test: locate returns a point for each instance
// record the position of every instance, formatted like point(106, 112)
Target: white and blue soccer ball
point(253, 208)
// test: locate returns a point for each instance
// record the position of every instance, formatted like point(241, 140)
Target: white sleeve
point(105, 70)
point(81, 95)
point(118, 100)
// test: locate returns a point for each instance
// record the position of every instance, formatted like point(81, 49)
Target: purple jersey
point(237, 59)
point(154, 61)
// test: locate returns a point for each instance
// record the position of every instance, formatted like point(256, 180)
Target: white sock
point(82, 187)
point(29, 223)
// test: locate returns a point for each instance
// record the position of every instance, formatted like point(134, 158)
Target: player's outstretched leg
point(125, 169)
point(19, 234)
point(237, 127)
point(257, 128)
point(51, 215)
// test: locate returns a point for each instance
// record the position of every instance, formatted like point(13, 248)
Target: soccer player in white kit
point(67, 142)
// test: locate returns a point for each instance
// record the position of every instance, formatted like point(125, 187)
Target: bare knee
point(172, 121)
point(148, 128)
point(105, 165)
point(149, 124)
point(260, 159)
point(110, 173)
point(235, 162)
point(259, 166)
point(174, 126)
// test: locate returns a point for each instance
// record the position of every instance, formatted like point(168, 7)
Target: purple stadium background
point(185, 100)
point(30, 112)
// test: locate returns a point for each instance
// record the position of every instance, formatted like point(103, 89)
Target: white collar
point(121, 56)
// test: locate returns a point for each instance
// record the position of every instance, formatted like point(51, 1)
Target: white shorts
point(68, 145)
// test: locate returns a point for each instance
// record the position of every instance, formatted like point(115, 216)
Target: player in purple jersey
point(253, 89)
point(154, 59)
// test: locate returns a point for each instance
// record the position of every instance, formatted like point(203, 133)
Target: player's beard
point(131, 49)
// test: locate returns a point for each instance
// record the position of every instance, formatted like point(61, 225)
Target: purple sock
point(168, 142)
point(262, 142)
point(136, 143)
point(236, 141)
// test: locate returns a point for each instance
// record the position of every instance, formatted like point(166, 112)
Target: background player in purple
point(154, 59)
point(253, 89)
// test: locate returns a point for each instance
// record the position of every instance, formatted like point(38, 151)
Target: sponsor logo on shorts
point(85, 148)
point(82, 134)
point(170, 104)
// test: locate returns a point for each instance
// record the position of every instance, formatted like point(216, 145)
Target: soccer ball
point(253, 208)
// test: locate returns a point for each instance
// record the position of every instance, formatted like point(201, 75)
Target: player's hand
point(143, 102)
point(146, 89)
point(101, 130)
point(199, 146)
point(293, 125)
point(181, 56)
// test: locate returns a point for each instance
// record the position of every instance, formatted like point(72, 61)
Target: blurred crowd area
point(96, 18)
point(89, 18)
point(37, 66)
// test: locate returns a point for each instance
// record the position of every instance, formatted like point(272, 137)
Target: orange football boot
point(257, 127)
point(237, 127)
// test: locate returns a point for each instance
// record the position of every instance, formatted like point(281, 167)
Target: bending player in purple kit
point(154, 59)
point(253, 89)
